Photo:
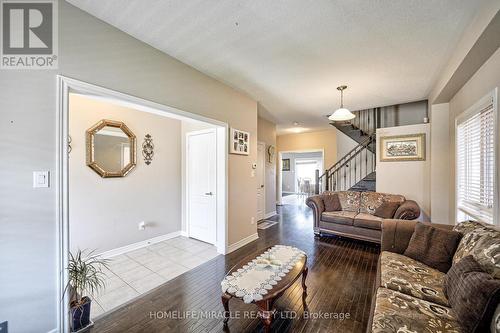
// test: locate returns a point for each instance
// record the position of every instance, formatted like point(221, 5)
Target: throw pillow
point(467, 226)
point(387, 209)
point(473, 294)
point(332, 203)
point(482, 242)
point(433, 246)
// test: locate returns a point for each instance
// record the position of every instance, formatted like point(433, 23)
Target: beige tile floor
point(136, 272)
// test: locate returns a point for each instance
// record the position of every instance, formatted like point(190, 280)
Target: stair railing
point(349, 170)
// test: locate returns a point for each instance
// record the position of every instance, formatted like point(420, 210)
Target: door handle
point(209, 193)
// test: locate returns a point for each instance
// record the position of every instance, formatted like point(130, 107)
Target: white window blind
point(476, 163)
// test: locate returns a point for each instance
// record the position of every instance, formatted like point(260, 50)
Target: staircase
point(367, 184)
point(355, 133)
point(356, 170)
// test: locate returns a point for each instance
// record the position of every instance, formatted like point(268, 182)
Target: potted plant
point(86, 277)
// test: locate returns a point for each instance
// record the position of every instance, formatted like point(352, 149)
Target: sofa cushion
point(434, 247)
point(349, 200)
point(482, 242)
point(370, 201)
point(369, 221)
point(340, 217)
point(469, 239)
point(387, 209)
point(412, 277)
point(331, 203)
point(397, 312)
point(473, 294)
point(467, 226)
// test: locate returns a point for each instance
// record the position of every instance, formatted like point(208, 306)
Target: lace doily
point(252, 281)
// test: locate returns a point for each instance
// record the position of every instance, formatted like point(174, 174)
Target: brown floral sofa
point(409, 296)
point(359, 214)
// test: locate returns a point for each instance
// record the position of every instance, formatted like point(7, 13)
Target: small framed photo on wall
point(240, 142)
point(286, 164)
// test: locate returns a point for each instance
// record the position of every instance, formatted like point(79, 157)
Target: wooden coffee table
point(265, 306)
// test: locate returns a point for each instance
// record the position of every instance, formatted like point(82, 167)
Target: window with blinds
point(476, 164)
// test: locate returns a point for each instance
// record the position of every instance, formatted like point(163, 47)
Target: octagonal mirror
point(111, 148)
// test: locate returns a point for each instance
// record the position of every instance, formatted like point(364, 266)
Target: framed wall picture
point(239, 142)
point(402, 148)
point(286, 164)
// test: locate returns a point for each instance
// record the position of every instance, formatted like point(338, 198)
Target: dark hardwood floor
point(340, 280)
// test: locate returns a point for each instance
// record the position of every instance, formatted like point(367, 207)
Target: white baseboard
point(138, 245)
point(241, 243)
point(268, 215)
point(184, 233)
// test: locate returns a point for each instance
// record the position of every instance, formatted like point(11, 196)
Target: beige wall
point(322, 140)
point(440, 162)
point(105, 212)
point(94, 52)
point(408, 178)
point(266, 132)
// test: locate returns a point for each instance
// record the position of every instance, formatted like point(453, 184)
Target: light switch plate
point(40, 179)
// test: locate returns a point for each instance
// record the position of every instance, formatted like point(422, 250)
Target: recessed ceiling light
point(297, 129)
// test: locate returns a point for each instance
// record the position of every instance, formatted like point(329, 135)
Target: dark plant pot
point(80, 314)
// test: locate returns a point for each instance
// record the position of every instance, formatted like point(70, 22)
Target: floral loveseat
point(358, 214)
point(409, 295)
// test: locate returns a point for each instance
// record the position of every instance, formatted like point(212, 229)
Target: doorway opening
point(142, 230)
point(297, 175)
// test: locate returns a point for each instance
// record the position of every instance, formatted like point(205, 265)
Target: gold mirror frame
point(90, 140)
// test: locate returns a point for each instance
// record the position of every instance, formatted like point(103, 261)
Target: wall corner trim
point(242, 242)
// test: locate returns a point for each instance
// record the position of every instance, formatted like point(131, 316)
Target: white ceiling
point(290, 55)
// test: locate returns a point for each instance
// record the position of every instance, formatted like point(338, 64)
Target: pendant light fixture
point(341, 114)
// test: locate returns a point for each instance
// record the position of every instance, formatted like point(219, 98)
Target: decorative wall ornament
point(402, 148)
point(69, 144)
point(239, 142)
point(148, 149)
point(270, 154)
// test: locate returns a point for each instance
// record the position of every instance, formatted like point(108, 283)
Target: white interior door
point(261, 197)
point(201, 184)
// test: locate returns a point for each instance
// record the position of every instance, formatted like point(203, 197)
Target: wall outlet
point(142, 225)
point(252, 220)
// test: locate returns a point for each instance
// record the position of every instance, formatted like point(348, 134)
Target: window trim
point(491, 97)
